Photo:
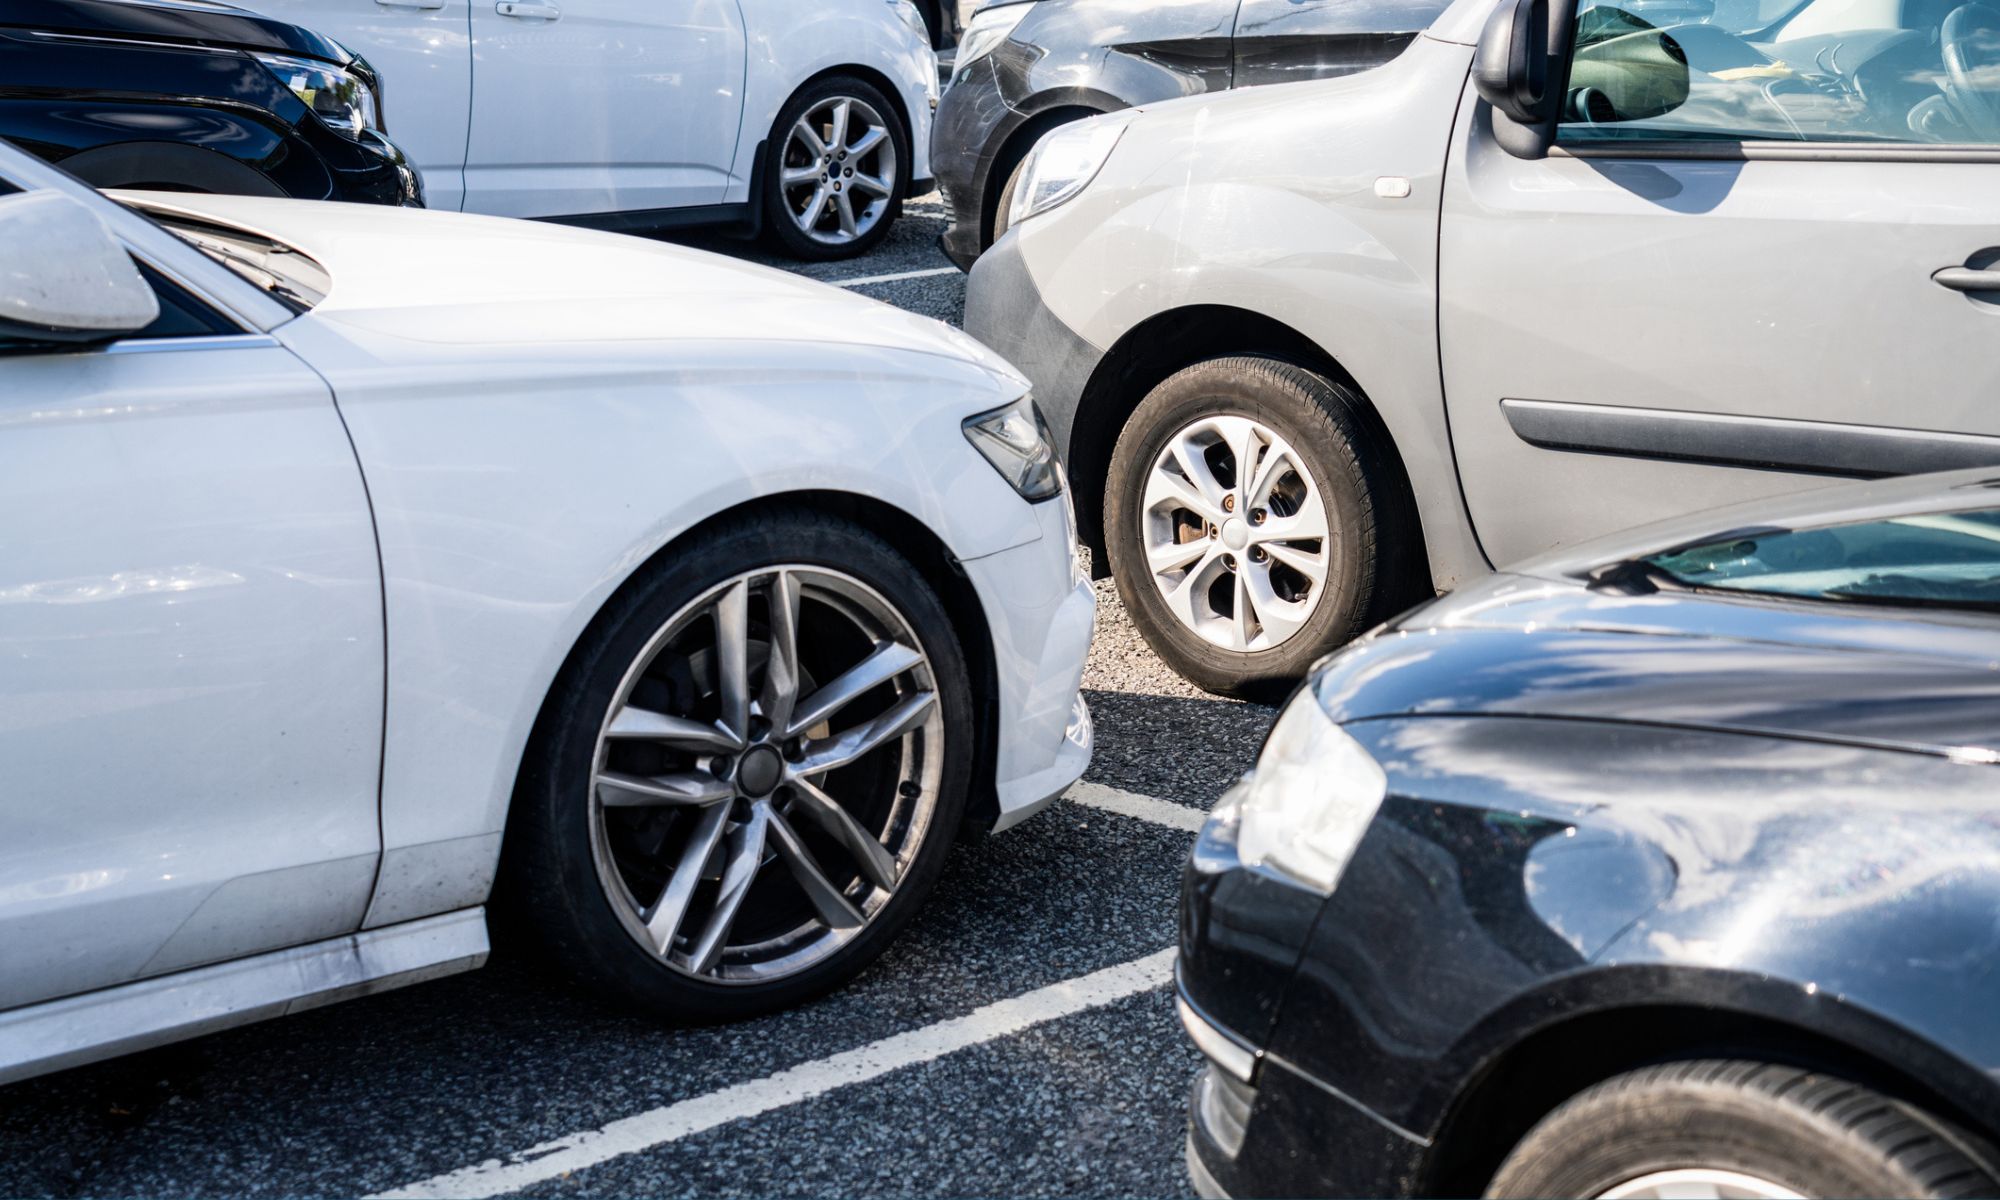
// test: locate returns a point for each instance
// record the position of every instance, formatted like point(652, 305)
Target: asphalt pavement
point(1019, 1039)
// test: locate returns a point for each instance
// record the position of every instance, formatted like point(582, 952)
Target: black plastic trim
point(1760, 443)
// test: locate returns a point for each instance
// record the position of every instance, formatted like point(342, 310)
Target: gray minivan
point(1317, 350)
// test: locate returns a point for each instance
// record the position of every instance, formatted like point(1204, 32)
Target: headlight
point(341, 99)
point(1064, 162)
point(1311, 798)
point(983, 35)
point(1017, 442)
point(912, 18)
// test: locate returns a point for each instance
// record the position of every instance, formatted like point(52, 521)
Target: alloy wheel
point(748, 819)
point(838, 170)
point(1235, 533)
point(1699, 1183)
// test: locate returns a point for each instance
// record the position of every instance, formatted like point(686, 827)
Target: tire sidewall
point(777, 216)
point(589, 935)
point(1220, 388)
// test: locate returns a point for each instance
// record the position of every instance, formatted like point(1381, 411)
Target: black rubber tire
point(1372, 532)
point(1006, 203)
point(1815, 1134)
point(549, 888)
point(783, 233)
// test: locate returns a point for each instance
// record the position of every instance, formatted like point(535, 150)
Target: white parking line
point(556, 1158)
point(865, 280)
point(1132, 804)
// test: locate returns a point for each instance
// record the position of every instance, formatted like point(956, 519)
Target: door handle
point(1967, 279)
point(422, 4)
point(520, 8)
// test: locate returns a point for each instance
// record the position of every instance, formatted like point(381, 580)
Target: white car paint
point(610, 105)
point(515, 416)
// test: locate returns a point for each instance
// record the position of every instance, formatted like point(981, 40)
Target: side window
point(1897, 71)
point(1946, 560)
point(181, 315)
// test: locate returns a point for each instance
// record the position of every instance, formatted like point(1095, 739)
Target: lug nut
point(1257, 516)
point(1214, 531)
point(1229, 504)
point(1258, 554)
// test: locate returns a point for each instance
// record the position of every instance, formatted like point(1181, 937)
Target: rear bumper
point(1040, 612)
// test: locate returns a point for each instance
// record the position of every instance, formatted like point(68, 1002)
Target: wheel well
point(1536, 1075)
point(939, 567)
point(1168, 342)
point(1012, 151)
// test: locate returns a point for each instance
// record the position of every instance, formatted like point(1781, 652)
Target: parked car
point(809, 119)
point(1394, 336)
point(195, 97)
point(1663, 866)
point(1026, 67)
point(341, 540)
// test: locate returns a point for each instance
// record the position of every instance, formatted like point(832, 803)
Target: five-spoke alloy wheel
point(776, 764)
point(839, 157)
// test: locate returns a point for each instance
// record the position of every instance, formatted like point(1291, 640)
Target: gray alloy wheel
point(721, 763)
point(837, 171)
point(1235, 533)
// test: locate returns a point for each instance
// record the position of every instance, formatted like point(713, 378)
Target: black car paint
point(1617, 829)
point(1073, 58)
point(167, 93)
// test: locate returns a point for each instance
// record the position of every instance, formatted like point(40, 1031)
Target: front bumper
point(1040, 612)
point(1004, 309)
point(370, 171)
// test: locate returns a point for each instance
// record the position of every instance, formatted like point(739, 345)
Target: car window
point(1866, 71)
point(1947, 560)
point(181, 315)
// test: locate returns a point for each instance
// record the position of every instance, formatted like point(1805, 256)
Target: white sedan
point(352, 558)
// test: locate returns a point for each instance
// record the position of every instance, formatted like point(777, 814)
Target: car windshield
point(1944, 560)
point(280, 270)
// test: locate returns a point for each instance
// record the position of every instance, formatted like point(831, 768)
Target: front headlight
point(339, 97)
point(1311, 798)
point(984, 34)
point(1017, 442)
point(1064, 162)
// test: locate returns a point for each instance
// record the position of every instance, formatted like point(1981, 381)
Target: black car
point(192, 96)
point(1668, 866)
point(1025, 67)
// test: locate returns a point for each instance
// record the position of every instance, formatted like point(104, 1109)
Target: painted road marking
point(1132, 804)
point(647, 1130)
point(895, 277)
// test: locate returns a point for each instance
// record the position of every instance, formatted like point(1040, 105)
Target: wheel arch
point(912, 538)
point(1516, 1088)
point(1168, 342)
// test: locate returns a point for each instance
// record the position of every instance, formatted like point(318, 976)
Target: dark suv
point(192, 96)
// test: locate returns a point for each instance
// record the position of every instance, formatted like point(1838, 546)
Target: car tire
point(787, 195)
point(1741, 1128)
point(582, 870)
point(1364, 554)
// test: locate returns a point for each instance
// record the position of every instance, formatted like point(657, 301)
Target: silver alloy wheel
point(838, 170)
point(1235, 533)
point(1699, 1183)
point(745, 821)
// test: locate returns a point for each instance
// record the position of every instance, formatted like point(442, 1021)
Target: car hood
point(194, 22)
point(1510, 645)
point(469, 280)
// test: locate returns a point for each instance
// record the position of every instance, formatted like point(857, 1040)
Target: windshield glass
point(280, 270)
point(1946, 560)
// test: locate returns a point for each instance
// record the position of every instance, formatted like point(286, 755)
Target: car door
point(191, 627)
point(1282, 41)
point(594, 106)
point(1725, 281)
point(423, 51)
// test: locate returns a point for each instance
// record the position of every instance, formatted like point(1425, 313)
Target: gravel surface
point(400, 1087)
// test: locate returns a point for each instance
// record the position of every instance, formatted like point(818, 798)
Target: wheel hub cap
point(759, 770)
point(1235, 534)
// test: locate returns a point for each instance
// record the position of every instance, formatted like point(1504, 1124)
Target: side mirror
point(64, 277)
point(1520, 68)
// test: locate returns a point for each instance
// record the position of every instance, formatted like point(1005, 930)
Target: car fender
point(1312, 204)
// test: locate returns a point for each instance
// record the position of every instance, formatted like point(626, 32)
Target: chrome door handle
point(423, 4)
point(1967, 279)
point(518, 8)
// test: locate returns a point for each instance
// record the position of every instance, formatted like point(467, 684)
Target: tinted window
point(1900, 71)
point(1950, 560)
